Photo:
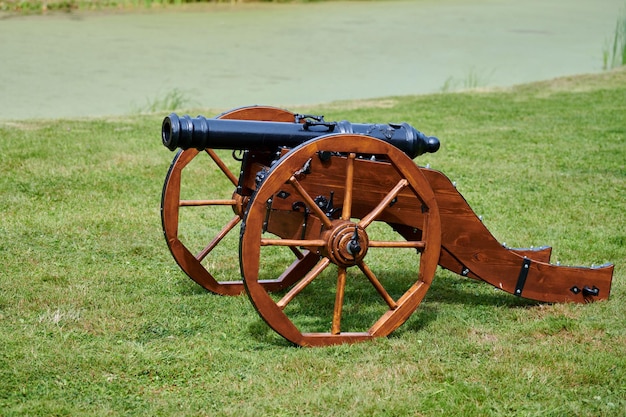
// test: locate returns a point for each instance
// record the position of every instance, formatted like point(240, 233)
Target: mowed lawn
point(97, 319)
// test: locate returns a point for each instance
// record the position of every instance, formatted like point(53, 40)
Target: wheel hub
point(347, 244)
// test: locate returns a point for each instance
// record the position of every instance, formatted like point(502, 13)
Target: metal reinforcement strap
point(521, 280)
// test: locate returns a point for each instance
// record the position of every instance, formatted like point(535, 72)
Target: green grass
point(97, 319)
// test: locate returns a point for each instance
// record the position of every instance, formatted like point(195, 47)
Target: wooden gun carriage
point(340, 231)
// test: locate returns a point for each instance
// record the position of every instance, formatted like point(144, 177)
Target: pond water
point(223, 56)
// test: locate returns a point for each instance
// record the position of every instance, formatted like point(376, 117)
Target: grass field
point(97, 319)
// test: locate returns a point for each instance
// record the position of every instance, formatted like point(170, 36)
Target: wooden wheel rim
point(171, 202)
point(170, 205)
point(250, 247)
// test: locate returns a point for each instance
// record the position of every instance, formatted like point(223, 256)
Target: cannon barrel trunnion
point(339, 232)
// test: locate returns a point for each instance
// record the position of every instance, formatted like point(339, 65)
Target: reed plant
point(614, 52)
point(473, 79)
point(171, 100)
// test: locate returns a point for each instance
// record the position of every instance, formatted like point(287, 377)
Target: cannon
point(341, 233)
point(202, 133)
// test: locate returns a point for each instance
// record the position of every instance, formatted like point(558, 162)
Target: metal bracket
point(260, 177)
point(587, 292)
point(268, 209)
point(591, 292)
point(312, 121)
point(521, 279)
point(300, 117)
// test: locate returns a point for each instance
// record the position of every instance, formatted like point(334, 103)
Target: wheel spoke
point(313, 273)
point(187, 203)
point(341, 289)
point(310, 202)
point(311, 243)
point(371, 216)
point(223, 167)
point(417, 244)
point(379, 287)
point(346, 211)
point(229, 226)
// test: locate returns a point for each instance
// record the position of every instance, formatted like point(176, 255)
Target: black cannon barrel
point(199, 132)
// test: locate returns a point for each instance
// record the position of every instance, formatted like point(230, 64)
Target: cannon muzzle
point(186, 132)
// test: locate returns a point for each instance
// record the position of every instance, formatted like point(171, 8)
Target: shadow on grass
point(451, 292)
point(187, 286)
point(470, 292)
point(313, 311)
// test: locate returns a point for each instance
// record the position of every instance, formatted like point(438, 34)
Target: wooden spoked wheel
point(343, 192)
point(193, 243)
